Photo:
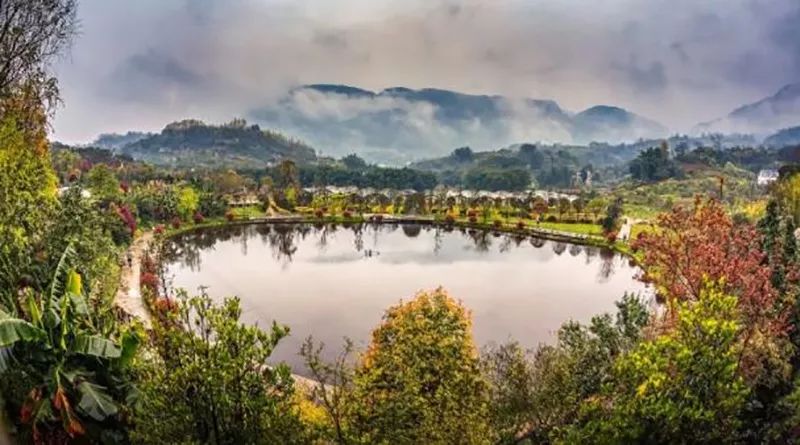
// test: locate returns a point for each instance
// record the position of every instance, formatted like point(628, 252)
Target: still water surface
point(332, 282)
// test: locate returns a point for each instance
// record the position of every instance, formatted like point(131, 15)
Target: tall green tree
point(420, 380)
point(681, 387)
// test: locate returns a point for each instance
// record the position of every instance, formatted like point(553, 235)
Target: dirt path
point(129, 295)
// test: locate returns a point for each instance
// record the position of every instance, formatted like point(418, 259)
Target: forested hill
point(235, 144)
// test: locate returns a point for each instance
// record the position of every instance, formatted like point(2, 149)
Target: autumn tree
point(701, 244)
point(420, 380)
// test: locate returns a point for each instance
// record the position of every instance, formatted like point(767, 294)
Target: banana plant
point(79, 374)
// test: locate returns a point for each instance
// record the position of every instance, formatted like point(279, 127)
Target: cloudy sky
point(140, 64)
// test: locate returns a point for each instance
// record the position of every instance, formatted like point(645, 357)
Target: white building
point(767, 176)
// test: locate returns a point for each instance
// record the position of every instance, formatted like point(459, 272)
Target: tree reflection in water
point(283, 239)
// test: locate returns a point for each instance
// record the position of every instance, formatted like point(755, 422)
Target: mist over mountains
point(401, 124)
point(773, 113)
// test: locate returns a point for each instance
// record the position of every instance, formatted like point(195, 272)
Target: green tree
point(613, 215)
point(420, 380)
point(596, 206)
point(537, 397)
point(654, 164)
point(103, 184)
point(27, 190)
point(188, 202)
point(207, 380)
point(683, 384)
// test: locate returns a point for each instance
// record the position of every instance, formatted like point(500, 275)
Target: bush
point(207, 380)
point(498, 223)
point(420, 380)
point(521, 225)
point(551, 218)
point(473, 219)
point(347, 214)
point(449, 219)
point(319, 213)
point(176, 223)
point(159, 229)
point(230, 216)
point(198, 218)
point(611, 237)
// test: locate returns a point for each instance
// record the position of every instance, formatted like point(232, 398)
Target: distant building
point(767, 176)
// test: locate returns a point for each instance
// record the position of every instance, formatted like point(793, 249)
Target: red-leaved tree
point(693, 246)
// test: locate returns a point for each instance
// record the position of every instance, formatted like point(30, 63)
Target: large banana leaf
point(95, 401)
point(14, 329)
point(95, 345)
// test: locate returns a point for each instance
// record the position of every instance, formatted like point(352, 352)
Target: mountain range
point(768, 115)
point(401, 124)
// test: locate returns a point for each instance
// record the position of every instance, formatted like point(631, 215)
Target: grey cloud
point(648, 79)
point(215, 59)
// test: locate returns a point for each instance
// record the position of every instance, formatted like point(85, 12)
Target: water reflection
point(333, 281)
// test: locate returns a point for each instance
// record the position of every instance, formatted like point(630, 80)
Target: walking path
point(129, 295)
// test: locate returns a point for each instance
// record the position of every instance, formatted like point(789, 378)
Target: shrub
point(229, 215)
point(176, 223)
point(198, 218)
point(319, 213)
point(449, 219)
point(159, 229)
point(521, 225)
point(420, 380)
point(611, 237)
point(347, 214)
point(149, 282)
point(498, 223)
point(473, 219)
point(472, 212)
point(208, 380)
point(551, 218)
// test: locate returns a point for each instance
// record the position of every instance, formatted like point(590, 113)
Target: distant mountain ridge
point(401, 124)
point(783, 138)
point(768, 115)
point(236, 144)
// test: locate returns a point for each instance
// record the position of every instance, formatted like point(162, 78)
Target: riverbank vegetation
point(716, 362)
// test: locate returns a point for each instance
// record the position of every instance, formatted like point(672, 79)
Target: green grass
point(247, 212)
point(583, 229)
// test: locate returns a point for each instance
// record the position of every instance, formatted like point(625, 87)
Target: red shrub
point(611, 237)
point(164, 305)
point(198, 218)
point(347, 213)
point(471, 213)
point(521, 225)
point(127, 217)
point(159, 229)
point(229, 215)
point(473, 219)
point(319, 213)
point(176, 223)
point(149, 281)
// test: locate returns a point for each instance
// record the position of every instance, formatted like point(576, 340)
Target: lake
point(332, 282)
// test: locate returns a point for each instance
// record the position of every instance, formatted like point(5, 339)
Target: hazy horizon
point(138, 66)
